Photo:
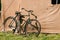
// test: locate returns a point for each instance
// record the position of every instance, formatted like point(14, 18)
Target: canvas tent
point(48, 14)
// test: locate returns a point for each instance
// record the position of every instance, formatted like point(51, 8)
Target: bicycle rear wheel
point(34, 27)
point(10, 24)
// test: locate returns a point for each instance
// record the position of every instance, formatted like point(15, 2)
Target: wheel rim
point(10, 24)
point(34, 28)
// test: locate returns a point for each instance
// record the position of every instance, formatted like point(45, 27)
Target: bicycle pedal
point(13, 30)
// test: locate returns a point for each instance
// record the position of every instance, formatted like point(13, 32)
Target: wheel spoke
point(34, 26)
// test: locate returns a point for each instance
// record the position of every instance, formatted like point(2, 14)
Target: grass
point(10, 36)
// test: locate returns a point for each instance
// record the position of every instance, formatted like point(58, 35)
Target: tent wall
point(8, 9)
point(48, 14)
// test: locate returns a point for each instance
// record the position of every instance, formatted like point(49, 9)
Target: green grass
point(9, 36)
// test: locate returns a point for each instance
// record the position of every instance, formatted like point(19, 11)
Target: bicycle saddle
point(30, 11)
point(17, 12)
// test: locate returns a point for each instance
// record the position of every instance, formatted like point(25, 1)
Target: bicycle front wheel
point(10, 23)
point(33, 27)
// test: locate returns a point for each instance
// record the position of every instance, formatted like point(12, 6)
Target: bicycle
point(33, 23)
point(11, 22)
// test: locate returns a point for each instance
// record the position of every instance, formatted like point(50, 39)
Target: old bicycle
point(25, 25)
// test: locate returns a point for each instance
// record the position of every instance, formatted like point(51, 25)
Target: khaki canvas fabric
point(48, 14)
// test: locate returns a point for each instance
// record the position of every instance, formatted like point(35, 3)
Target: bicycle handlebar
point(29, 11)
point(24, 9)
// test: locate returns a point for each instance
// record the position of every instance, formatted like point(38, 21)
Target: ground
point(9, 36)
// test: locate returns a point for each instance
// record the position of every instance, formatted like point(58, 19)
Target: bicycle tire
point(8, 19)
point(38, 28)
